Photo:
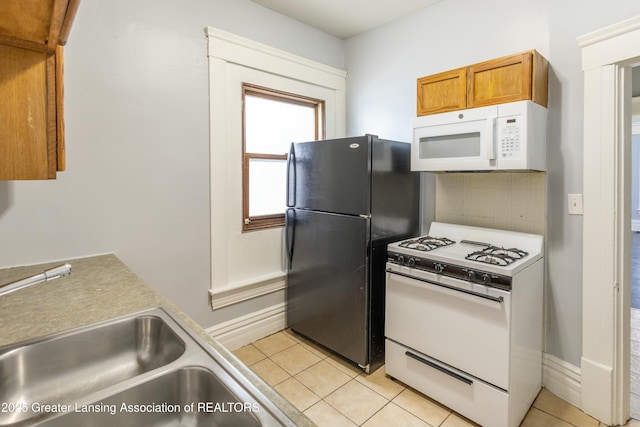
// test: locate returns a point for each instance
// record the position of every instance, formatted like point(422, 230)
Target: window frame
point(261, 222)
point(233, 59)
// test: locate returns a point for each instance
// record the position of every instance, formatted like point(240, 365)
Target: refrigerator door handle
point(289, 233)
point(291, 177)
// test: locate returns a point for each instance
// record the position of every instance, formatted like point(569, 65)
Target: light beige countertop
point(99, 288)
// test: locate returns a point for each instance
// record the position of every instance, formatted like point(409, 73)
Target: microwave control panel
point(509, 137)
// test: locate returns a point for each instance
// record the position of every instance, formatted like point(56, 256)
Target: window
point(235, 60)
point(272, 120)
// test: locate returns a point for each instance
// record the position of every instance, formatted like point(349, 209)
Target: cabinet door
point(24, 147)
point(32, 34)
point(518, 77)
point(442, 92)
point(31, 116)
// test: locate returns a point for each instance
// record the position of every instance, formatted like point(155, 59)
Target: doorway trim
point(606, 58)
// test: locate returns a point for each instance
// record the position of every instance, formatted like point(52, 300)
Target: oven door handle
point(499, 300)
point(440, 368)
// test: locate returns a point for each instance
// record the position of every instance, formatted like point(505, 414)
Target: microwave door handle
point(491, 137)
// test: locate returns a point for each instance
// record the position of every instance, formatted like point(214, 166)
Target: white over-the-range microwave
point(511, 136)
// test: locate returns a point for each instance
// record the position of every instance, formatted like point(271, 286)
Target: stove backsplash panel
point(514, 201)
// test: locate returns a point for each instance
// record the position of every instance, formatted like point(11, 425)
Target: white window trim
point(225, 49)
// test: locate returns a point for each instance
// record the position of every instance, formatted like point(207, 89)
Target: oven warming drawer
point(468, 328)
point(471, 398)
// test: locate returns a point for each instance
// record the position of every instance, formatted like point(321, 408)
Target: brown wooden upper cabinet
point(32, 36)
point(523, 76)
point(442, 92)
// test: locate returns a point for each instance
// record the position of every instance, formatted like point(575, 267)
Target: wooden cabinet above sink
point(32, 36)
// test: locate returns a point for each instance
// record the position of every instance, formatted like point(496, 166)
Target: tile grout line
point(321, 399)
point(445, 420)
point(554, 416)
point(324, 357)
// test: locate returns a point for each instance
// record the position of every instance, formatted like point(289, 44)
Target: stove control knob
point(411, 262)
point(471, 275)
point(400, 259)
point(438, 267)
point(486, 278)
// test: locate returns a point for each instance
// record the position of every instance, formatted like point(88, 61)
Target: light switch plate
point(575, 204)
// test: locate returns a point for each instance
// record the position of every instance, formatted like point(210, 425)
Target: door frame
point(607, 55)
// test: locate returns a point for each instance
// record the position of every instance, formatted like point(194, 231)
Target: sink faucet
point(53, 273)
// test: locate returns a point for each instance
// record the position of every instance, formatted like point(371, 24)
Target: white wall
point(137, 124)
point(564, 296)
point(383, 66)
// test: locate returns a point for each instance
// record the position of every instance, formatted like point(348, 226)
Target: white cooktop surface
point(457, 252)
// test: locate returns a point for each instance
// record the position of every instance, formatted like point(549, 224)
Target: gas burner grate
point(497, 256)
point(426, 243)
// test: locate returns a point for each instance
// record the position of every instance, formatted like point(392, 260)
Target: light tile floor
point(333, 393)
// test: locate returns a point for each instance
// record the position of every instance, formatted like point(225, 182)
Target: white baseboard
point(562, 379)
point(249, 328)
point(598, 390)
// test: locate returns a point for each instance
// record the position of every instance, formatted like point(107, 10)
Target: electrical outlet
point(575, 204)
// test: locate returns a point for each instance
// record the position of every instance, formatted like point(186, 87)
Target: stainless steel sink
point(146, 368)
point(176, 390)
point(63, 367)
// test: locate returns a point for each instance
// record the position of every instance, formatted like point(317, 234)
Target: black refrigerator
point(347, 199)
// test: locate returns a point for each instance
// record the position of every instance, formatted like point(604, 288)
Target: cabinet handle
point(440, 368)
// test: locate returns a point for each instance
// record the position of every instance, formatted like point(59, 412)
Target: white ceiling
point(345, 18)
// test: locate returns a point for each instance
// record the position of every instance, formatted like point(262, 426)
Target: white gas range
point(463, 319)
